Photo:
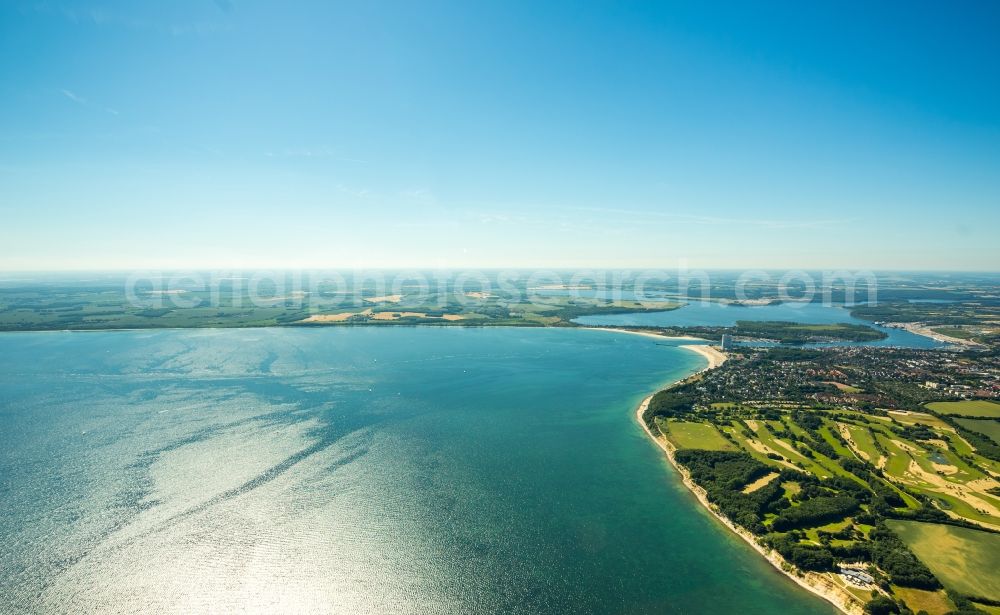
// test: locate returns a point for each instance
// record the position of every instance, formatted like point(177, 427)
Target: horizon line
point(320, 269)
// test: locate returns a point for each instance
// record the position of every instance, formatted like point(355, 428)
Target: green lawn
point(862, 437)
point(842, 450)
point(813, 533)
point(787, 450)
point(734, 431)
point(791, 426)
point(930, 454)
point(972, 407)
point(958, 443)
point(965, 560)
point(897, 469)
point(898, 461)
point(702, 436)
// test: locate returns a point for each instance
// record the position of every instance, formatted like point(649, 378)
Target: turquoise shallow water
point(362, 470)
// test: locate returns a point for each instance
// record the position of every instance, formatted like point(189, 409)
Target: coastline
point(921, 329)
point(687, 338)
point(816, 583)
point(714, 357)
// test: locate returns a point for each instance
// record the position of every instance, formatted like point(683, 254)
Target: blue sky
point(234, 133)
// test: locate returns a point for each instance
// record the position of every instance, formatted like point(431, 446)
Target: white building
point(727, 341)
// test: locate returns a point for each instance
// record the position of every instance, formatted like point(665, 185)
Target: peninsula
point(838, 466)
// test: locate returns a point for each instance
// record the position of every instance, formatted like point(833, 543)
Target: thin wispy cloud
point(74, 97)
point(80, 100)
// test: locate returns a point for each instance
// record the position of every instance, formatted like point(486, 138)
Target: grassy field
point(989, 428)
point(812, 533)
point(695, 435)
point(973, 407)
point(962, 447)
point(108, 302)
point(798, 333)
point(845, 387)
point(819, 464)
point(785, 449)
point(933, 485)
point(956, 332)
point(917, 418)
point(735, 432)
point(864, 442)
point(959, 472)
point(762, 439)
point(952, 477)
point(965, 560)
point(842, 450)
point(935, 603)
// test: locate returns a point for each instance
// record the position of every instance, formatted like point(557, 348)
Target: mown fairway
point(702, 436)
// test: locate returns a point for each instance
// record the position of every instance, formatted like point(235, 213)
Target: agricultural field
point(965, 560)
point(976, 408)
point(111, 303)
point(991, 429)
point(956, 332)
point(786, 332)
point(933, 602)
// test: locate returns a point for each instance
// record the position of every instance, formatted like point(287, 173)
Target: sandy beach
point(921, 329)
point(823, 585)
point(381, 316)
point(342, 317)
point(648, 334)
point(714, 356)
